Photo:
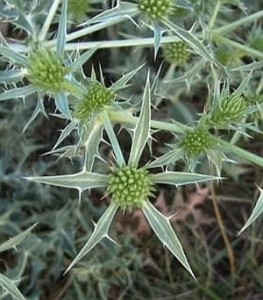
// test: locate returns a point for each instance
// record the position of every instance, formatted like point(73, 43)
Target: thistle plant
point(130, 187)
point(55, 68)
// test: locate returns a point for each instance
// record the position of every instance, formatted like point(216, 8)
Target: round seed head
point(196, 142)
point(129, 186)
point(156, 9)
point(46, 70)
point(95, 99)
point(176, 53)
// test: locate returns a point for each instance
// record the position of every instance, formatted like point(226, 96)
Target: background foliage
point(217, 64)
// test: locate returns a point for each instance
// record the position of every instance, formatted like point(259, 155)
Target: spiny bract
point(130, 186)
point(45, 70)
point(95, 99)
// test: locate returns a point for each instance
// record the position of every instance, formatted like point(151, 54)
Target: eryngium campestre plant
point(130, 187)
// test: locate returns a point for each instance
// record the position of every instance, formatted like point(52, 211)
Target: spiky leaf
point(164, 231)
point(9, 286)
point(101, 230)
point(257, 211)
point(81, 181)
point(142, 130)
point(14, 241)
point(180, 178)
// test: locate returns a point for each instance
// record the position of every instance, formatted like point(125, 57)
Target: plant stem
point(88, 30)
point(221, 226)
point(214, 15)
point(123, 117)
point(144, 42)
point(228, 147)
point(48, 20)
point(246, 49)
point(238, 23)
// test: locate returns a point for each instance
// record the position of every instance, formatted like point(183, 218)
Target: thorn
point(111, 239)
point(80, 194)
point(94, 224)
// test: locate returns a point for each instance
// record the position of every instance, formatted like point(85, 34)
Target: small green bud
point(230, 109)
point(130, 186)
point(156, 9)
point(176, 53)
point(95, 99)
point(196, 142)
point(46, 70)
point(77, 9)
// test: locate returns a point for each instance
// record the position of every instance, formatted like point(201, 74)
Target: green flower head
point(130, 186)
point(196, 142)
point(156, 9)
point(46, 70)
point(176, 53)
point(96, 97)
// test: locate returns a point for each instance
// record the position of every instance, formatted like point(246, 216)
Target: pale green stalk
point(214, 15)
point(246, 49)
point(238, 23)
point(144, 42)
point(44, 30)
point(85, 31)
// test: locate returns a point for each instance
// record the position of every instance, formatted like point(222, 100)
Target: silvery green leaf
point(166, 159)
point(80, 181)
point(181, 178)
point(14, 241)
point(164, 231)
point(157, 30)
point(248, 67)
point(142, 130)
point(91, 138)
point(113, 140)
point(66, 132)
point(11, 76)
point(189, 74)
point(61, 102)
point(9, 286)
point(123, 11)
point(16, 93)
point(13, 55)
point(101, 231)
point(82, 59)
point(122, 82)
point(256, 212)
point(38, 109)
point(62, 29)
